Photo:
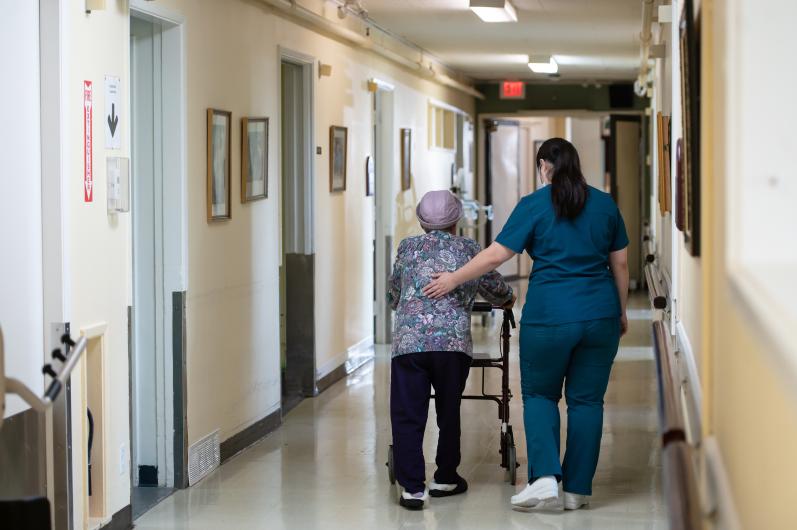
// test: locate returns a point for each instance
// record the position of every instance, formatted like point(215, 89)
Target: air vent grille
point(203, 457)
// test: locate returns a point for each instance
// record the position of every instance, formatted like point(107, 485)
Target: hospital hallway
point(217, 218)
point(325, 467)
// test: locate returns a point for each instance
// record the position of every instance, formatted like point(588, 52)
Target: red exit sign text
point(513, 90)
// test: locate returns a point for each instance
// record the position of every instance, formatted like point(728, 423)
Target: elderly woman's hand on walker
point(485, 261)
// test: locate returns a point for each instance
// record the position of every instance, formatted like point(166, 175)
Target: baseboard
point(344, 364)
point(251, 435)
point(688, 355)
point(121, 520)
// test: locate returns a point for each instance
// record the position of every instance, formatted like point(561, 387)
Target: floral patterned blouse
point(423, 324)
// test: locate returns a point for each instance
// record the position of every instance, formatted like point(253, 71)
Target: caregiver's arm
point(618, 263)
point(485, 261)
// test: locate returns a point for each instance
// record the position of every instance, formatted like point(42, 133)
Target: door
point(157, 218)
point(297, 278)
point(627, 186)
point(503, 174)
point(384, 159)
point(22, 329)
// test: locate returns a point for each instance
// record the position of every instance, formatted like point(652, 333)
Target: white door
point(21, 283)
point(505, 182)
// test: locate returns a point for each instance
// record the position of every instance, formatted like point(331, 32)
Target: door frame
point(307, 63)
point(384, 142)
point(173, 455)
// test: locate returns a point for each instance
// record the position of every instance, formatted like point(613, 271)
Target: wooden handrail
point(658, 298)
point(681, 491)
point(673, 425)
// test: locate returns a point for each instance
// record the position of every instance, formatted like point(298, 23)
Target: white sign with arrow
point(112, 118)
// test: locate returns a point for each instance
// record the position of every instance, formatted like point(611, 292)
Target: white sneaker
point(542, 490)
point(574, 501)
point(414, 501)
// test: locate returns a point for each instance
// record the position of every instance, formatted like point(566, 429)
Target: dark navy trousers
point(411, 379)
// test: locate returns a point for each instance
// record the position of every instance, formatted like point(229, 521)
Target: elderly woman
point(432, 346)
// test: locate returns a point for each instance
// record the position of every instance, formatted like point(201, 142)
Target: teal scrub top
point(570, 280)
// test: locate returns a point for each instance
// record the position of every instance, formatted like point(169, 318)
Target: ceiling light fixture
point(494, 10)
point(543, 64)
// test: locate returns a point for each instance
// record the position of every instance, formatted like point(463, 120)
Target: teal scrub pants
point(580, 356)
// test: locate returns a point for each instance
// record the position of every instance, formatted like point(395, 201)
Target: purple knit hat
point(438, 210)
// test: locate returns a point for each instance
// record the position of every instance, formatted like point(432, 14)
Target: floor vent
point(203, 457)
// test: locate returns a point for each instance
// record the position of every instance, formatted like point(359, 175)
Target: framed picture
point(680, 194)
point(369, 176)
point(689, 39)
point(218, 164)
point(406, 159)
point(254, 159)
point(338, 148)
point(663, 134)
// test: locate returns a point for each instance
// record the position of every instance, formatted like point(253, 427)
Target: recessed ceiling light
point(543, 64)
point(494, 10)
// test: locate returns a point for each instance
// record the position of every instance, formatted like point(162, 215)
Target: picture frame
point(689, 40)
point(219, 203)
point(254, 159)
point(664, 151)
point(406, 158)
point(370, 176)
point(338, 152)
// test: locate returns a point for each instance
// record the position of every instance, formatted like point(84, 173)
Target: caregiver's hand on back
point(485, 261)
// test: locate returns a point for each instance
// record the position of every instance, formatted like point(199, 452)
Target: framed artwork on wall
point(689, 40)
point(680, 193)
point(338, 148)
point(406, 159)
point(665, 186)
point(254, 159)
point(369, 176)
point(218, 164)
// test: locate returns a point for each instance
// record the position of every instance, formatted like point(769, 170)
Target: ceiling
point(592, 40)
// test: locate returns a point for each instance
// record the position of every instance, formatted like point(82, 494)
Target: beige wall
point(233, 367)
point(233, 348)
point(98, 255)
point(750, 405)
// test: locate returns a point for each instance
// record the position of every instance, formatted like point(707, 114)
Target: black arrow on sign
point(113, 119)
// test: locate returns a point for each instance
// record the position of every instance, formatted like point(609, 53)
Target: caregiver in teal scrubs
point(572, 320)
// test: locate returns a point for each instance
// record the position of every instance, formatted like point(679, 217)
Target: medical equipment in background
point(34, 512)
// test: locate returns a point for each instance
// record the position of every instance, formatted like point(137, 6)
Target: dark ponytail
point(568, 186)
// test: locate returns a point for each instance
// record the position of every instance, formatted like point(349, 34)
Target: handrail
point(680, 483)
point(681, 491)
point(673, 425)
point(658, 298)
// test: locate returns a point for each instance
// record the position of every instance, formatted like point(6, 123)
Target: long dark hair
point(568, 187)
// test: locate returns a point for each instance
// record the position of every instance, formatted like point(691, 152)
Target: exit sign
point(513, 90)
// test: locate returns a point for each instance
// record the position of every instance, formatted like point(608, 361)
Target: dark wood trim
point(251, 435)
point(121, 520)
point(339, 373)
point(179, 390)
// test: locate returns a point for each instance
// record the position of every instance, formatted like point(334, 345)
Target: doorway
point(626, 185)
point(385, 149)
point(157, 434)
point(503, 182)
point(297, 267)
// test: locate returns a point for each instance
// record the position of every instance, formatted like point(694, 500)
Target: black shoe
point(447, 490)
point(411, 502)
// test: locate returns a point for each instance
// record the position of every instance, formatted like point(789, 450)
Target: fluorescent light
point(494, 10)
point(543, 64)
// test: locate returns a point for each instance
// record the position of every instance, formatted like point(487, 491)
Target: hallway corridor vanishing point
point(324, 468)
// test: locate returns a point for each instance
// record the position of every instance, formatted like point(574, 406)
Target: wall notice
point(88, 147)
point(113, 132)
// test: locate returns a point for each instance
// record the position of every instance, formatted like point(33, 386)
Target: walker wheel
point(391, 473)
point(513, 465)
